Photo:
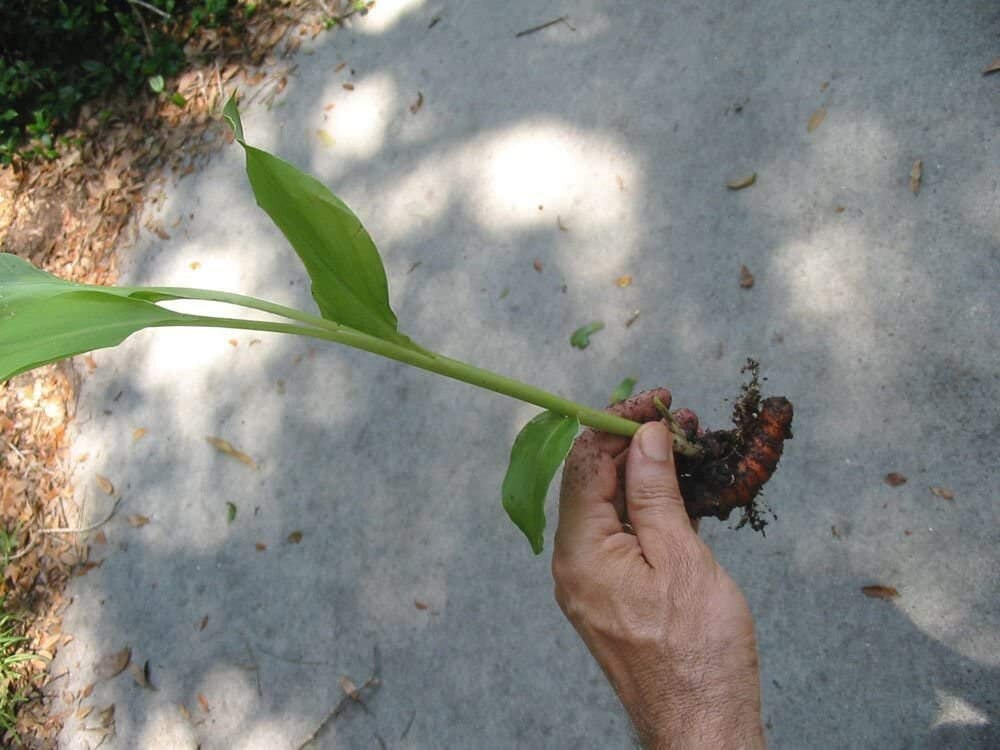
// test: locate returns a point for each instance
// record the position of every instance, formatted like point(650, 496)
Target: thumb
point(652, 495)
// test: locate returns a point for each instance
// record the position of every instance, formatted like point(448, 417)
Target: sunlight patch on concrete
point(355, 127)
point(385, 15)
point(954, 710)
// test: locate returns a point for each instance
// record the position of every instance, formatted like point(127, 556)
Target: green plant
point(8, 544)
point(57, 55)
point(43, 319)
point(11, 654)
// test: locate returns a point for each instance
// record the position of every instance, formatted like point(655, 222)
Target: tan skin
point(669, 627)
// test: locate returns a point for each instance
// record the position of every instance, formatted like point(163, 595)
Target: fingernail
point(654, 441)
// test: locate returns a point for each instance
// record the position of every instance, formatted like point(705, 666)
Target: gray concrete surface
point(879, 321)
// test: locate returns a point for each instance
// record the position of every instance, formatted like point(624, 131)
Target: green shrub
point(57, 54)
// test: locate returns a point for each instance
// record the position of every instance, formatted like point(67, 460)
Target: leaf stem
point(320, 328)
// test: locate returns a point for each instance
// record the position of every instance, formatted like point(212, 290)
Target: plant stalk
point(321, 328)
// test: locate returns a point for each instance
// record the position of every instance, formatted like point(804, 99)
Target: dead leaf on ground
point(623, 281)
point(260, 547)
point(632, 318)
point(538, 265)
point(113, 664)
point(742, 182)
point(234, 343)
point(203, 702)
point(90, 362)
point(348, 86)
point(137, 520)
point(943, 492)
point(295, 537)
point(348, 686)
point(83, 712)
point(894, 479)
point(880, 592)
point(226, 447)
point(839, 209)
point(746, 278)
point(420, 605)
point(834, 532)
point(340, 67)
point(138, 433)
point(916, 175)
point(107, 716)
point(993, 67)
point(194, 266)
point(415, 107)
point(105, 484)
point(100, 538)
point(184, 711)
point(816, 120)
point(141, 675)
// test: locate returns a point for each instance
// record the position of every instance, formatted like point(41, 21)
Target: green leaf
point(178, 100)
point(44, 319)
point(156, 83)
point(623, 390)
point(348, 279)
point(538, 450)
point(230, 512)
point(581, 336)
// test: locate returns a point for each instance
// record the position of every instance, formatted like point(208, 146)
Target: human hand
point(669, 627)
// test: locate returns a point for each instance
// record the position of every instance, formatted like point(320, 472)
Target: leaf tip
point(231, 113)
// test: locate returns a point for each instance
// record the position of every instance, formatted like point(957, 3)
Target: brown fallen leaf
point(916, 174)
point(415, 107)
point(340, 67)
point(329, 106)
point(203, 623)
point(348, 686)
point(623, 281)
point(107, 716)
point(203, 702)
point(943, 493)
point(105, 484)
point(138, 433)
point(295, 537)
point(840, 209)
point(137, 520)
point(113, 664)
point(184, 711)
point(91, 362)
point(83, 712)
point(195, 265)
point(632, 318)
point(420, 605)
point(85, 693)
point(880, 592)
point(816, 120)
point(226, 447)
point(234, 343)
point(141, 675)
point(746, 278)
point(348, 86)
point(834, 533)
point(742, 182)
point(100, 538)
point(993, 67)
point(260, 547)
point(538, 265)
point(894, 479)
